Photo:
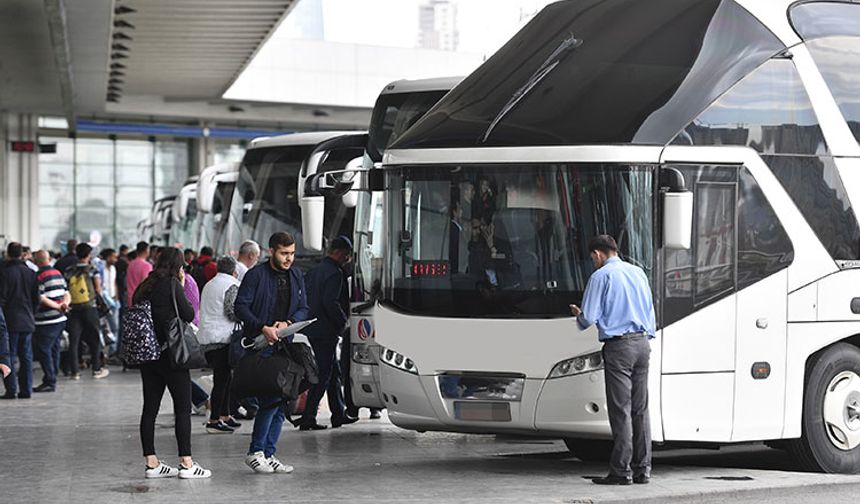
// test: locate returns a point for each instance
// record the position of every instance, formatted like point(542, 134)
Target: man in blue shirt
point(618, 299)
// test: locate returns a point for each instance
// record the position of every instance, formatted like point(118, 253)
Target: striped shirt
point(52, 285)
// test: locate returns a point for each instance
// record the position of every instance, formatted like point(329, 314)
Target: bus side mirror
point(313, 211)
point(677, 219)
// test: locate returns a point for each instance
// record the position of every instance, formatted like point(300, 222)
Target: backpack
point(81, 287)
point(196, 270)
point(139, 343)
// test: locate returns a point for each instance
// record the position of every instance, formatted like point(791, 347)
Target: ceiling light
point(320, 113)
point(121, 23)
point(121, 36)
point(114, 80)
point(116, 73)
point(235, 108)
point(118, 55)
point(115, 88)
point(119, 47)
point(122, 9)
point(116, 66)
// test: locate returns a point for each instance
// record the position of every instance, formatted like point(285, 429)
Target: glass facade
point(96, 190)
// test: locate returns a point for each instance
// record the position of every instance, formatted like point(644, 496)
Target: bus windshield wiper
point(566, 46)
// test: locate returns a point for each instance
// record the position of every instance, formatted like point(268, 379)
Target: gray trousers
point(626, 376)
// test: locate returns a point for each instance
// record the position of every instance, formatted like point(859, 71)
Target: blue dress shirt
point(618, 299)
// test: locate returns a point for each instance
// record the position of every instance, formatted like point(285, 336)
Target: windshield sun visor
point(600, 72)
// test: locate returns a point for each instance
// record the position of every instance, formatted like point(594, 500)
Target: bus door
point(723, 312)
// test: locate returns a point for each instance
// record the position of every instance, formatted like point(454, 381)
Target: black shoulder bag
point(182, 344)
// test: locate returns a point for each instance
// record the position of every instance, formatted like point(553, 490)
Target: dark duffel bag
point(267, 372)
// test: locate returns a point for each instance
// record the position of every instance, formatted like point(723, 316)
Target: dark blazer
point(328, 300)
point(19, 296)
point(257, 298)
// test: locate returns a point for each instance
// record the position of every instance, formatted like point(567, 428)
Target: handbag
point(139, 343)
point(236, 351)
point(182, 344)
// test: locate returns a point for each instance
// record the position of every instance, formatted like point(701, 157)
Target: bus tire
point(830, 426)
point(589, 450)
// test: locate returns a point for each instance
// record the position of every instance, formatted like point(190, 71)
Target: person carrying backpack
point(84, 284)
point(203, 268)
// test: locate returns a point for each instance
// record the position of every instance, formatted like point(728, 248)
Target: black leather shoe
point(313, 426)
point(613, 480)
point(8, 396)
point(44, 388)
point(641, 479)
point(337, 422)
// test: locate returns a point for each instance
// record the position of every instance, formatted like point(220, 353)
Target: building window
point(97, 190)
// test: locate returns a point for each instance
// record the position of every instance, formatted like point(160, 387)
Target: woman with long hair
point(161, 288)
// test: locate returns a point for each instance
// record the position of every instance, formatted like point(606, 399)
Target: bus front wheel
point(590, 450)
point(830, 439)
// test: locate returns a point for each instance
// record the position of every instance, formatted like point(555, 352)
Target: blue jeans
point(267, 425)
point(48, 350)
point(20, 343)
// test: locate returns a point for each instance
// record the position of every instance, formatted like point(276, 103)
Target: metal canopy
point(189, 48)
point(146, 59)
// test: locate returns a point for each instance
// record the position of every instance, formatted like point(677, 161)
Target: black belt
point(626, 336)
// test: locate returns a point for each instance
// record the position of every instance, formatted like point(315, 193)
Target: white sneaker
point(258, 462)
point(162, 470)
point(193, 472)
point(101, 373)
point(278, 466)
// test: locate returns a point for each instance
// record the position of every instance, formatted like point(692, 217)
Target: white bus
point(184, 215)
point(717, 141)
point(398, 107)
point(160, 221)
point(214, 192)
point(265, 198)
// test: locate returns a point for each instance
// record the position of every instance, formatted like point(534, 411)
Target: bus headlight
point(397, 360)
point(577, 365)
point(361, 354)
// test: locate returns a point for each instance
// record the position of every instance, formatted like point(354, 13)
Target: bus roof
point(293, 139)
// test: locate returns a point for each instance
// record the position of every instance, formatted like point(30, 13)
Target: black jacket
point(160, 297)
point(328, 299)
point(19, 296)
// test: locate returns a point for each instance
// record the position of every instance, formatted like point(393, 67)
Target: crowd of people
point(70, 308)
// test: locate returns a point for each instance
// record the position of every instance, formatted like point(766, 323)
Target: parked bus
point(184, 214)
point(717, 141)
point(161, 220)
point(398, 107)
point(265, 199)
point(214, 191)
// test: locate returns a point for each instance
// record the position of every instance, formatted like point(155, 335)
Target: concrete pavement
point(80, 444)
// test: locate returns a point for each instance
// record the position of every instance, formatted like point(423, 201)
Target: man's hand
point(4, 370)
point(271, 334)
point(282, 324)
point(575, 311)
point(64, 307)
point(182, 276)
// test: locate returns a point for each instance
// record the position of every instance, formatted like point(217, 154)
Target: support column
point(19, 181)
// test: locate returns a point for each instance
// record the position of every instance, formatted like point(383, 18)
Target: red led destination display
point(429, 269)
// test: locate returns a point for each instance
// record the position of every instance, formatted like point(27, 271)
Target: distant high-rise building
point(437, 25)
point(306, 21)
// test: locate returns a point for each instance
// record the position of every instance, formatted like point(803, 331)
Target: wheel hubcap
point(841, 410)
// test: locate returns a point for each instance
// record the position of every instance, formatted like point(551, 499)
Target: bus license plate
point(482, 411)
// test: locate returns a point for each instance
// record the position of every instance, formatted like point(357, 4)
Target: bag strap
point(175, 304)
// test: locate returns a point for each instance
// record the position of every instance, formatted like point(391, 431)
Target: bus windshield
point(395, 113)
point(214, 222)
point(265, 199)
point(509, 240)
point(183, 232)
